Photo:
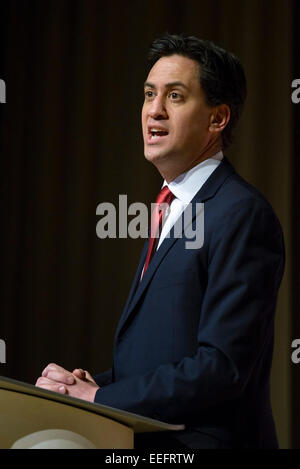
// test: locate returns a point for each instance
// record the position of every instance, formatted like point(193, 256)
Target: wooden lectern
point(27, 410)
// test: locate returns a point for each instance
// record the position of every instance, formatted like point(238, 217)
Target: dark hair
point(222, 77)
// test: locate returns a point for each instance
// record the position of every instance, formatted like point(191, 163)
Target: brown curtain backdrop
point(70, 138)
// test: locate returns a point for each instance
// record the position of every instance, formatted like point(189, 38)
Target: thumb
point(89, 377)
point(79, 373)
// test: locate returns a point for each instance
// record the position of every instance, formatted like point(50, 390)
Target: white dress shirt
point(185, 187)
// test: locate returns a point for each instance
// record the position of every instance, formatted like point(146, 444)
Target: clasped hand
point(78, 384)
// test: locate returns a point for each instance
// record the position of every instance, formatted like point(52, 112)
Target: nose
point(157, 109)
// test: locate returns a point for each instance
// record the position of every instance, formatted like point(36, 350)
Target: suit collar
point(186, 186)
point(215, 181)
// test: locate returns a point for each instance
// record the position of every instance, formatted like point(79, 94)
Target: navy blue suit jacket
point(195, 341)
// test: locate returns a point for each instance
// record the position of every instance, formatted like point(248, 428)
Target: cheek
point(143, 116)
point(193, 126)
point(187, 128)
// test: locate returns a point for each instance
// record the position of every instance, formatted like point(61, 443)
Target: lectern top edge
point(138, 423)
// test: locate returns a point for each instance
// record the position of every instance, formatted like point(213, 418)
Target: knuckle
point(40, 383)
point(49, 367)
point(52, 365)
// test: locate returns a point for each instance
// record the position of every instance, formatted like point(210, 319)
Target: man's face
point(175, 117)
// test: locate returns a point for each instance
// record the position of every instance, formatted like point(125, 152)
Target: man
point(194, 344)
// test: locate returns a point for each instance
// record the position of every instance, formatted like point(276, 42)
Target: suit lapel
point(208, 190)
point(134, 286)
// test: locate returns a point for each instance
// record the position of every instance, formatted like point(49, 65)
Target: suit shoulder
point(237, 192)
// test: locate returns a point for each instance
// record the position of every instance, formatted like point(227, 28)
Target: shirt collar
point(186, 186)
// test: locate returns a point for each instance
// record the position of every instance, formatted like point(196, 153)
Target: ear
point(219, 118)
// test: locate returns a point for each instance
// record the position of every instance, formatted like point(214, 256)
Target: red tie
point(164, 197)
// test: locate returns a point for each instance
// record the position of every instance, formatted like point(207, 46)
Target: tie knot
point(165, 196)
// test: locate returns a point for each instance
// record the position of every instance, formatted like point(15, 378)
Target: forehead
point(175, 68)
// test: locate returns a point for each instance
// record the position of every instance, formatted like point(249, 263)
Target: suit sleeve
point(245, 267)
point(103, 379)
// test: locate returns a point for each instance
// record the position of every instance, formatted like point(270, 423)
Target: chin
point(156, 160)
point(154, 155)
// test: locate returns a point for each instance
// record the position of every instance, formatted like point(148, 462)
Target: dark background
point(70, 138)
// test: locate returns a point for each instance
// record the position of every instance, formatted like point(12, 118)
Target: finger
point(79, 373)
point(52, 367)
point(58, 373)
point(45, 383)
point(83, 374)
point(64, 377)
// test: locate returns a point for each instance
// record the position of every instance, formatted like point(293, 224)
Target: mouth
point(156, 134)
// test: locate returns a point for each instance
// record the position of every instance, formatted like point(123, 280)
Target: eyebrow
point(167, 85)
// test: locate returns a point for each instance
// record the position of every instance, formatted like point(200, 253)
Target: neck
point(171, 172)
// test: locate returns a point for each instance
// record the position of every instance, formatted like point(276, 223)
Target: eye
point(148, 94)
point(175, 96)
